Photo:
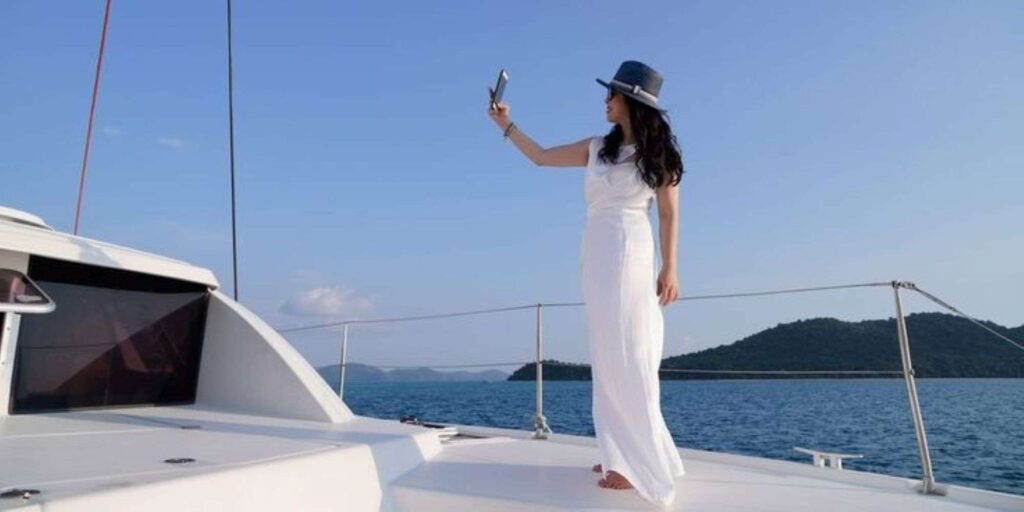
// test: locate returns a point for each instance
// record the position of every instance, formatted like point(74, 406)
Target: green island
point(941, 346)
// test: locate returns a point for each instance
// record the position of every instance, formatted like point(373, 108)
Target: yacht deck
point(105, 460)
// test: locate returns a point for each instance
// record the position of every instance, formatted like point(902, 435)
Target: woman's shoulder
point(594, 146)
point(596, 143)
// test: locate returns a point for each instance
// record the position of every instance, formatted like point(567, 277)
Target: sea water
point(975, 427)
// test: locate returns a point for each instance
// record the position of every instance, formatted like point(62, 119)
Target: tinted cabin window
point(117, 338)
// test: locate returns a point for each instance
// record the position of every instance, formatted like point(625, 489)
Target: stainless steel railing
point(928, 478)
point(540, 424)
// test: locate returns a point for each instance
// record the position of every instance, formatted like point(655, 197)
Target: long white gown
point(625, 327)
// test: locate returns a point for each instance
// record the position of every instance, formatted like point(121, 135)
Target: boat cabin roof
point(22, 232)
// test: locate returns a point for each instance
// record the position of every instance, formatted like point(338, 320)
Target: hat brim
point(629, 93)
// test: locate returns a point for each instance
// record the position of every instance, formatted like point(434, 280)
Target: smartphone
point(499, 89)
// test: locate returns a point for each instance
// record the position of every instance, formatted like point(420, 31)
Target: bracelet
point(509, 130)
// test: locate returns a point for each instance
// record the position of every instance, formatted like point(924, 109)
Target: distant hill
point(355, 372)
point(941, 345)
point(553, 370)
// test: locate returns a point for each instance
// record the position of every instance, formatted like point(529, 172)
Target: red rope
point(92, 112)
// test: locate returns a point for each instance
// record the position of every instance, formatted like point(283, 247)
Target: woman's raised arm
point(568, 155)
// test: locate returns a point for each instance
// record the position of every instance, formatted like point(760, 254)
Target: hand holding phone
point(499, 89)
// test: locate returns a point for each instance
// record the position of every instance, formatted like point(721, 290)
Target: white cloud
point(112, 131)
point(328, 301)
point(171, 142)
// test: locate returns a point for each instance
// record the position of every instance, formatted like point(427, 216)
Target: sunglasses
point(611, 94)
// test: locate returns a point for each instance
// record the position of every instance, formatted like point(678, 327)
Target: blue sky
point(825, 142)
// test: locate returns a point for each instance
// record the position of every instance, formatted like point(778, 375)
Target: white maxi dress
point(625, 327)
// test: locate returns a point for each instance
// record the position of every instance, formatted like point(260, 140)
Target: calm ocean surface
point(975, 427)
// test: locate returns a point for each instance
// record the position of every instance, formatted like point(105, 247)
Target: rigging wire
point(977, 322)
point(907, 285)
point(747, 294)
point(405, 318)
point(231, 151)
point(92, 113)
point(670, 370)
point(785, 372)
point(472, 365)
point(564, 304)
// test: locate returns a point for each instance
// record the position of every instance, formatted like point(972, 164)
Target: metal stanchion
point(928, 478)
point(342, 364)
point(540, 423)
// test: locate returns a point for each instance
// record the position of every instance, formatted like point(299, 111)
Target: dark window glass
point(117, 338)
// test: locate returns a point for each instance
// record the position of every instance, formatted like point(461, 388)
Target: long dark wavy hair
point(659, 158)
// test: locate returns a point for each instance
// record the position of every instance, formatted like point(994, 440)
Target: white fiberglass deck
point(520, 474)
point(517, 473)
point(113, 460)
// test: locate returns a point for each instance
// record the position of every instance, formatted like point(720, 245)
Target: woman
point(626, 169)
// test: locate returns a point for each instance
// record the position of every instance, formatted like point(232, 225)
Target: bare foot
point(614, 481)
point(596, 468)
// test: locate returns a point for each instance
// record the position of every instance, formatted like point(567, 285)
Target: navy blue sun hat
point(638, 81)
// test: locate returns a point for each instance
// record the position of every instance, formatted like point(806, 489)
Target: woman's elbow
point(538, 159)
